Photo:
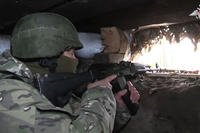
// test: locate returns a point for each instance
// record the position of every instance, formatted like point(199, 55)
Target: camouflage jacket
point(24, 110)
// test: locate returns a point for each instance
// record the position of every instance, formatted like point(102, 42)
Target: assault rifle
point(58, 87)
point(125, 71)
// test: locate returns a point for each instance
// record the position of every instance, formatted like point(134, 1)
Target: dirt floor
point(169, 104)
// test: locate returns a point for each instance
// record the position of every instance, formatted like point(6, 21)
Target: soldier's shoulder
point(10, 64)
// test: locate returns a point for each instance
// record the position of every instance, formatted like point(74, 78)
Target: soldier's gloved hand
point(134, 95)
point(105, 83)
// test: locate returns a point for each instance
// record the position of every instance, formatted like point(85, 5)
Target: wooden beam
point(171, 11)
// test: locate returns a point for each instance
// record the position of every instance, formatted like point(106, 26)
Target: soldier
point(43, 43)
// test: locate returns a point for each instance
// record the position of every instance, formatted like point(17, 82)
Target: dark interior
point(90, 15)
point(169, 103)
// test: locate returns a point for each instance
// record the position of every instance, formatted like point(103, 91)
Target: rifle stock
point(58, 87)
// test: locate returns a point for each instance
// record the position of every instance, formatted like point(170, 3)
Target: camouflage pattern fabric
point(121, 119)
point(24, 110)
point(10, 64)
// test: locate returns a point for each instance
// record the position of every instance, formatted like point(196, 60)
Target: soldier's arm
point(122, 118)
point(98, 108)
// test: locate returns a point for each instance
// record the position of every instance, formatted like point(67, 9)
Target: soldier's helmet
point(41, 35)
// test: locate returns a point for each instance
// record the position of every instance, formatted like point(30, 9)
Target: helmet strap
point(50, 63)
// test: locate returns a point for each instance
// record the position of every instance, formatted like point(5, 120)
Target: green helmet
point(41, 35)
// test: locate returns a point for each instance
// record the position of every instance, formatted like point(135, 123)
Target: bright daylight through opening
point(171, 56)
